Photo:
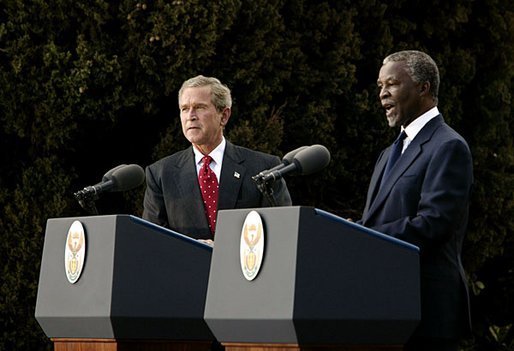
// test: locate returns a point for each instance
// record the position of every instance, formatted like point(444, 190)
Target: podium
point(142, 287)
point(324, 283)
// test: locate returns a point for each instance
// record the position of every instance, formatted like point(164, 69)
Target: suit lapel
point(410, 154)
point(232, 175)
point(187, 182)
point(375, 179)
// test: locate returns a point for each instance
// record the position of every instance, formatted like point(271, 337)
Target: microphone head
point(108, 175)
point(312, 159)
point(127, 177)
point(288, 158)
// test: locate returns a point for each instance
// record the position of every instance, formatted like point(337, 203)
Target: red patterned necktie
point(209, 189)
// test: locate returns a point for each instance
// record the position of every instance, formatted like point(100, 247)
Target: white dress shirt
point(217, 157)
point(415, 126)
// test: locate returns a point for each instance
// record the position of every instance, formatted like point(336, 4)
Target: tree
point(90, 85)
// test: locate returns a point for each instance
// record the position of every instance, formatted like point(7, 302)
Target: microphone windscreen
point(312, 159)
point(108, 175)
point(127, 177)
point(288, 158)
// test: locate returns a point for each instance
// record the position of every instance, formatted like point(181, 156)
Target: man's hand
point(207, 241)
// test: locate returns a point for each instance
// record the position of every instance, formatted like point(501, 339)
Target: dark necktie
point(396, 152)
point(209, 189)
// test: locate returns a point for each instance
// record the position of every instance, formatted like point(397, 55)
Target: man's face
point(202, 124)
point(399, 94)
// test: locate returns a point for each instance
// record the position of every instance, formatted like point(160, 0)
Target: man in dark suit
point(173, 198)
point(424, 198)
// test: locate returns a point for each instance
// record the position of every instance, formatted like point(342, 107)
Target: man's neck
point(206, 149)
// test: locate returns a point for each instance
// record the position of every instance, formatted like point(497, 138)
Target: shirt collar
point(415, 126)
point(216, 154)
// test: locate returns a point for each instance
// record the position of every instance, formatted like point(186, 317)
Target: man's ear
point(424, 88)
point(225, 116)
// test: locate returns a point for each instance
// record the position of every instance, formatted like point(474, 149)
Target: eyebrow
point(195, 104)
point(388, 80)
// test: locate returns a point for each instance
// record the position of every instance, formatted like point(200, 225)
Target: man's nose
point(192, 114)
point(383, 93)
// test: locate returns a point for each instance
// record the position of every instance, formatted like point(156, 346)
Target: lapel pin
point(237, 175)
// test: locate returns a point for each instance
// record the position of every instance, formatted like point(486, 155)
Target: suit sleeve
point(442, 203)
point(282, 196)
point(280, 191)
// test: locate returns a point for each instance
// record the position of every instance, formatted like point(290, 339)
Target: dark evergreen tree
point(88, 85)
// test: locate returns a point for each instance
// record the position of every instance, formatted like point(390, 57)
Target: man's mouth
point(388, 107)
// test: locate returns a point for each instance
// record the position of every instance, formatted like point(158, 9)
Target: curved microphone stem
point(266, 188)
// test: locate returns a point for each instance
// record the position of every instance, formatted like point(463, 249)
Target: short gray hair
point(420, 67)
point(220, 93)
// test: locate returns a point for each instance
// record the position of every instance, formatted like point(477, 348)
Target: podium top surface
point(368, 231)
point(154, 227)
point(167, 231)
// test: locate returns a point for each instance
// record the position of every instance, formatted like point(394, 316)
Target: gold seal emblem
point(252, 245)
point(74, 252)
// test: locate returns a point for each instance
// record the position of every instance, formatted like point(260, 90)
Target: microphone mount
point(265, 185)
point(86, 198)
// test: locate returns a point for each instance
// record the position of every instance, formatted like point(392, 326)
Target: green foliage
point(88, 85)
point(38, 195)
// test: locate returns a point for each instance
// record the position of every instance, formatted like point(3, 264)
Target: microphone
point(313, 160)
point(286, 160)
point(307, 161)
point(120, 178)
point(108, 175)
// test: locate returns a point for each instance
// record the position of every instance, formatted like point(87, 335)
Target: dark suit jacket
point(173, 200)
point(425, 202)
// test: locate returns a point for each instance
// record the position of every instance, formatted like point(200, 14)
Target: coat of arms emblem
point(74, 252)
point(252, 245)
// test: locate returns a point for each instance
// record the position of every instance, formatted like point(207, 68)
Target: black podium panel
point(139, 281)
point(323, 280)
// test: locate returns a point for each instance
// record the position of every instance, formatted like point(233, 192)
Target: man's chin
point(392, 121)
point(194, 136)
